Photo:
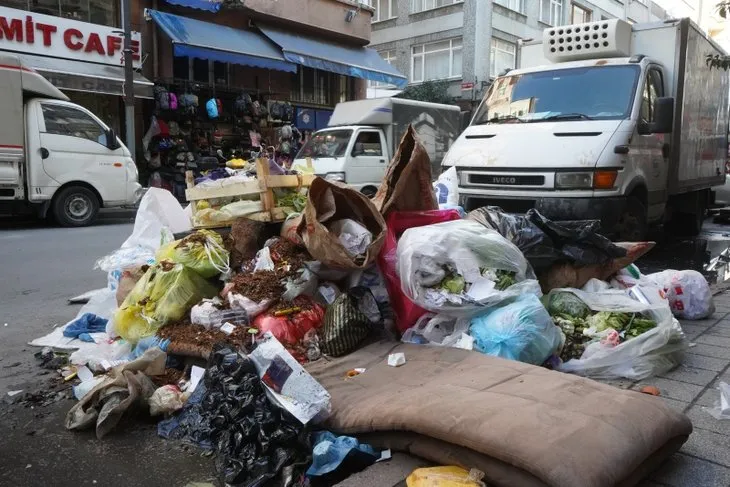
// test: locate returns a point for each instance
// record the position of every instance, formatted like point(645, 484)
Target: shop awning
point(360, 62)
point(203, 40)
point(209, 5)
point(66, 74)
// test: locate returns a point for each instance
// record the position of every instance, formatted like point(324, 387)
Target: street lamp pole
point(128, 77)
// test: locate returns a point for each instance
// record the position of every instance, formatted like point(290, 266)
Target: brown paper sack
point(328, 202)
point(408, 183)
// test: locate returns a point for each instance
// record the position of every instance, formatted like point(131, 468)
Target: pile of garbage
point(215, 332)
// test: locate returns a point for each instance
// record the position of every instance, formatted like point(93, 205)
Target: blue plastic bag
point(330, 451)
point(521, 330)
point(212, 108)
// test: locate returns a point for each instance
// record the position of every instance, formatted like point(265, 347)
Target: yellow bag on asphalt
point(165, 294)
point(445, 477)
point(202, 251)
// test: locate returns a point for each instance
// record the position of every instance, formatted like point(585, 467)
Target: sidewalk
point(703, 461)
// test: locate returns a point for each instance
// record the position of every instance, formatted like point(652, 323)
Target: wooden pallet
point(264, 186)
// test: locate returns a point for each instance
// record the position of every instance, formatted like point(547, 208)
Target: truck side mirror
point(663, 116)
point(111, 140)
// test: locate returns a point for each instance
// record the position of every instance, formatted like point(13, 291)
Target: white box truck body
point(604, 120)
point(362, 137)
point(56, 156)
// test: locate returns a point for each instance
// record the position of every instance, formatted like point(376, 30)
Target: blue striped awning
point(359, 62)
point(204, 40)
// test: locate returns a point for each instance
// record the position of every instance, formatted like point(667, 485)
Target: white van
point(56, 156)
point(362, 137)
point(603, 120)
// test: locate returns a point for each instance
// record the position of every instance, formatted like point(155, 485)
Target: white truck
point(56, 156)
point(604, 120)
point(362, 137)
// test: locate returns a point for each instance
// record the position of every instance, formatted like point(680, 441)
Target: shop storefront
point(264, 83)
point(82, 59)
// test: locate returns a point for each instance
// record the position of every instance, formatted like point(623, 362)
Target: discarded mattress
point(520, 424)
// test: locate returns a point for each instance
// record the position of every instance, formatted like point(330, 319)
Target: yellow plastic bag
point(445, 477)
point(165, 294)
point(202, 251)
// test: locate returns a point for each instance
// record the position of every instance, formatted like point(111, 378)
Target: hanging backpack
point(275, 110)
point(162, 98)
point(212, 108)
point(242, 104)
point(256, 109)
point(173, 101)
point(220, 106)
point(288, 115)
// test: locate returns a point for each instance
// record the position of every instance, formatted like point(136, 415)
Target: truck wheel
point(632, 226)
point(689, 224)
point(369, 191)
point(75, 206)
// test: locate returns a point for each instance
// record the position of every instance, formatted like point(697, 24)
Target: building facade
point(470, 42)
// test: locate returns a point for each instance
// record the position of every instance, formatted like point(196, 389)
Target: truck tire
point(633, 223)
point(689, 223)
point(369, 191)
point(75, 206)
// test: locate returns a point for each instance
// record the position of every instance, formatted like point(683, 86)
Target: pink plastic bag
point(406, 311)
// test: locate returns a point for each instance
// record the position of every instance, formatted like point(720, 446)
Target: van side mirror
point(663, 116)
point(111, 140)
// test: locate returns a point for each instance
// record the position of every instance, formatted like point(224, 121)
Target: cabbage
point(567, 304)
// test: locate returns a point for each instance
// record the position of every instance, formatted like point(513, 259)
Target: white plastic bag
point(722, 406)
point(596, 285)
point(159, 212)
point(428, 255)
point(688, 293)
point(440, 331)
point(653, 352)
point(447, 188)
point(354, 237)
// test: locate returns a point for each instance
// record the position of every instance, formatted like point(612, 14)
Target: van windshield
point(329, 143)
point(586, 93)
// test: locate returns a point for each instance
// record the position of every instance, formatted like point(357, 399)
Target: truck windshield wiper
point(508, 118)
point(567, 116)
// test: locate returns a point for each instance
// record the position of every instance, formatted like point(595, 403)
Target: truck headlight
point(574, 180)
point(335, 176)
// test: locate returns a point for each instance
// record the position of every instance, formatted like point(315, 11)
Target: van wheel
point(75, 206)
point(369, 191)
point(689, 224)
point(632, 226)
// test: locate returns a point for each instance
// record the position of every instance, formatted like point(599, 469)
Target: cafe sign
point(45, 35)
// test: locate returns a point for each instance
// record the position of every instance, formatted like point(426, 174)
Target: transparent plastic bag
point(653, 352)
point(688, 292)
point(522, 330)
point(445, 477)
point(440, 331)
point(459, 268)
point(201, 251)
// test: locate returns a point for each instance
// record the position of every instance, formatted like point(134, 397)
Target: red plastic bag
point(290, 329)
point(406, 311)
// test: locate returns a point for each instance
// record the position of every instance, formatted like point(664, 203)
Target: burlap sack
point(408, 182)
point(328, 202)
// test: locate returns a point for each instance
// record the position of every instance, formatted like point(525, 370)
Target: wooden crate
point(264, 186)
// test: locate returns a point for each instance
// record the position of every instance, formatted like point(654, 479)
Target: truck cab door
point(73, 147)
point(650, 152)
point(367, 159)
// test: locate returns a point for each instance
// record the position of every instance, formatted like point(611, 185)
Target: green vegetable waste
point(293, 199)
point(505, 279)
point(454, 283)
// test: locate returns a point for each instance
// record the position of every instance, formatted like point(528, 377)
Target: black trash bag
point(256, 443)
point(545, 242)
point(348, 321)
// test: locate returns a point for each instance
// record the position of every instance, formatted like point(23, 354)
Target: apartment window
point(389, 57)
point(502, 55)
point(516, 5)
point(421, 5)
point(551, 12)
point(436, 60)
point(384, 9)
point(579, 15)
point(313, 86)
point(102, 12)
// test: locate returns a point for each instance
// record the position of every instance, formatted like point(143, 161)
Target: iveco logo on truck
point(504, 180)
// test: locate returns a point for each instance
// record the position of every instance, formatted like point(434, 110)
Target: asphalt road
point(41, 268)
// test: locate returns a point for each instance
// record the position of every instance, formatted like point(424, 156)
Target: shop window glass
point(75, 9)
point(19, 4)
point(48, 7)
point(71, 122)
point(220, 73)
point(180, 67)
point(103, 12)
point(200, 70)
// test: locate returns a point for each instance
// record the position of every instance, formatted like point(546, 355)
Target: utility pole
point(128, 77)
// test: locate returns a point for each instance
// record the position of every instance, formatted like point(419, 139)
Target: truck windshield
point(329, 143)
point(587, 93)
